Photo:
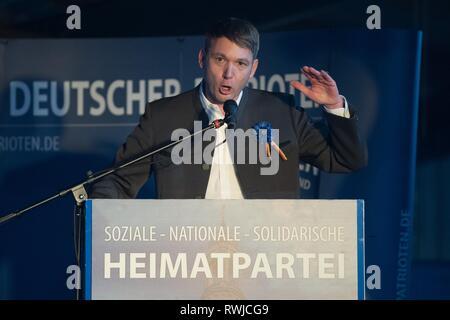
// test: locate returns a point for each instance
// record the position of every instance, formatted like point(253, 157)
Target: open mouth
point(225, 90)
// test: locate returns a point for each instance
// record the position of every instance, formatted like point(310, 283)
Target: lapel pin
point(261, 125)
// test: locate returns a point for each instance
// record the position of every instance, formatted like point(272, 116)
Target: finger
point(317, 75)
point(326, 76)
point(315, 72)
point(309, 76)
point(307, 71)
point(312, 78)
point(301, 87)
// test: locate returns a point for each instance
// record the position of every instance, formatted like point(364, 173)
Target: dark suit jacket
point(338, 151)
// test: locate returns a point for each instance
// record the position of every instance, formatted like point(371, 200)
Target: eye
point(242, 64)
point(220, 59)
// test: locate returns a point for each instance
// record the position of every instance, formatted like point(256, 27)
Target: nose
point(228, 71)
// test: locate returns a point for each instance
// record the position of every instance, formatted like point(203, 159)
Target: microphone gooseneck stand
point(79, 192)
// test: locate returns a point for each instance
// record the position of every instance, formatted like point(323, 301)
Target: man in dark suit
point(229, 60)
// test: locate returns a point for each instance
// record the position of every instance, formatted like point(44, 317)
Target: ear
point(254, 67)
point(201, 58)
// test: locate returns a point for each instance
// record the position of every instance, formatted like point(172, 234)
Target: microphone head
point(230, 109)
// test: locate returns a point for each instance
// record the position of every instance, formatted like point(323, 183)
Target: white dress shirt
point(223, 183)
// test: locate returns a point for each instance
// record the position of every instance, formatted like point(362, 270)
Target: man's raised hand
point(323, 89)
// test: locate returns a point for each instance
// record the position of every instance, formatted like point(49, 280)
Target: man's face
point(226, 69)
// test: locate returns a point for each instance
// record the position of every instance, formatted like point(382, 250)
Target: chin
point(221, 98)
point(224, 98)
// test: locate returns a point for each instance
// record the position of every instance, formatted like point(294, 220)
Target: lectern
point(224, 249)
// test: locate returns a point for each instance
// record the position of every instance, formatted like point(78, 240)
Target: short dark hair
point(239, 31)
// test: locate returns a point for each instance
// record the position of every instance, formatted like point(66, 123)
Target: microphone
point(230, 108)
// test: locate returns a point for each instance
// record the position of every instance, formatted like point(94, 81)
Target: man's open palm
point(323, 89)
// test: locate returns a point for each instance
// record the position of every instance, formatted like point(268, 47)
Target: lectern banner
point(224, 249)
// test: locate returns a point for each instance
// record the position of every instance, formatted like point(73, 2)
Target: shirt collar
point(213, 110)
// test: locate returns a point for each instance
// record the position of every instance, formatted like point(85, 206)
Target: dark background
point(114, 18)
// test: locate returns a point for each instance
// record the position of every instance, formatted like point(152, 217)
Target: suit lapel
point(241, 119)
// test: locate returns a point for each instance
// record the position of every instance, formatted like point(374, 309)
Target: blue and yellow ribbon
point(268, 127)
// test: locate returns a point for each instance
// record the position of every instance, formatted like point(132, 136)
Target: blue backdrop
point(66, 105)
